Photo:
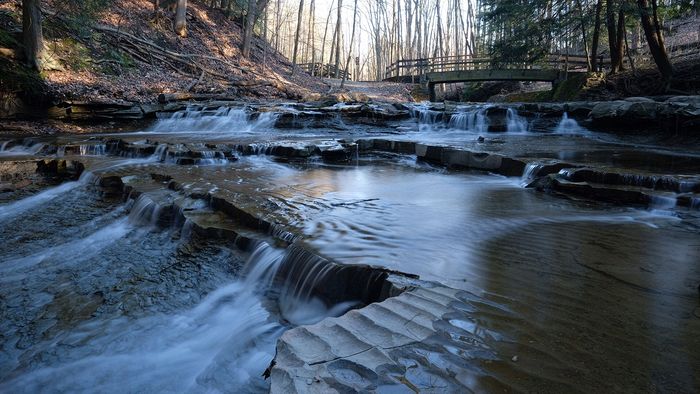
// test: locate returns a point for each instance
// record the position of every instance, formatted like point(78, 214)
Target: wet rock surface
point(216, 237)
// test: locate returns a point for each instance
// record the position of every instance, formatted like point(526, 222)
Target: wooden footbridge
point(453, 69)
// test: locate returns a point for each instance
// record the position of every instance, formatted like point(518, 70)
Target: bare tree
point(652, 31)
point(255, 8)
point(337, 37)
point(352, 40)
point(296, 37)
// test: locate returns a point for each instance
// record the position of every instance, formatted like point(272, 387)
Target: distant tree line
point(532, 29)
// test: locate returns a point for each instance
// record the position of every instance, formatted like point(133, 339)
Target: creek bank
point(677, 115)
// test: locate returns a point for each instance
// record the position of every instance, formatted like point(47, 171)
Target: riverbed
point(167, 259)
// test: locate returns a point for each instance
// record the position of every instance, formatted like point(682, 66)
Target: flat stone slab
point(417, 341)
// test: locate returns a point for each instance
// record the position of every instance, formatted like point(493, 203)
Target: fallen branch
point(197, 82)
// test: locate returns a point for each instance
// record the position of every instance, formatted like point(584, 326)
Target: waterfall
point(425, 117)
point(224, 120)
point(662, 202)
point(530, 174)
point(27, 147)
point(515, 123)
point(473, 120)
point(568, 126)
point(93, 150)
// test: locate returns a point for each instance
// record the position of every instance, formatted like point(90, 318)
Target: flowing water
point(100, 294)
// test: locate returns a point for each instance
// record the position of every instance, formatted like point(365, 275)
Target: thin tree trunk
point(589, 65)
point(325, 34)
point(312, 33)
point(248, 31)
point(620, 45)
point(32, 34)
point(337, 35)
point(278, 24)
point(296, 36)
point(596, 36)
point(181, 18)
point(352, 39)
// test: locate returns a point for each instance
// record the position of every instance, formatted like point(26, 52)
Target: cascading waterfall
point(93, 150)
point(515, 123)
point(568, 126)
point(212, 158)
point(530, 173)
point(26, 147)
point(226, 340)
point(425, 116)
point(224, 120)
point(470, 119)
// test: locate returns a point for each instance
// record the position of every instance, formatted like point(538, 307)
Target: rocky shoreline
point(678, 115)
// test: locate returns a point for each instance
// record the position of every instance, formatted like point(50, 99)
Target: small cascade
point(473, 120)
point(515, 123)
point(92, 150)
point(311, 287)
point(530, 173)
point(425, 116)
point(212, 158)
point(26, 147)
point(695, 203)
point(145, 211)
point(265, 120)
point(221, 121)
point(662, 202)
point(568, 126)
point(160, 152)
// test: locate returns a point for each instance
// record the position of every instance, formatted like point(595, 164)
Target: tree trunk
point(656, 46)
point(337, 35)
point(296, 36)
point(311, 39)
point(615, 58)
point(180, 18)
point(620, 44)
point(582, 21)
point(32, 34)
point(249, 24)
point(596, 37)
point(352, 39)
point(325, 34)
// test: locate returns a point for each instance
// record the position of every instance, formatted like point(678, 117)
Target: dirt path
point(377, 91)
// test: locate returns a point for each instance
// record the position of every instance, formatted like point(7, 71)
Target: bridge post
point(431, 92)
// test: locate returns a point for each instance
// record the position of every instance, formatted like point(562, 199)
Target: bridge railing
point(418, 68)
point(322, 70)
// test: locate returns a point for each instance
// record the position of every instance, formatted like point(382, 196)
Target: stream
point(168, 260)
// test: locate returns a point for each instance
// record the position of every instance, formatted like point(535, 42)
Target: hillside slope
point(125, 53)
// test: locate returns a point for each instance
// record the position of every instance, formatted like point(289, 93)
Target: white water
point(222, 344)
point(93, 150)
point(568, 126)
point(515, 123)
point(27, 148)
point(529, 173)
point(222, 122)
point(473, 120)
point(68, 253)
point(18, 207)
